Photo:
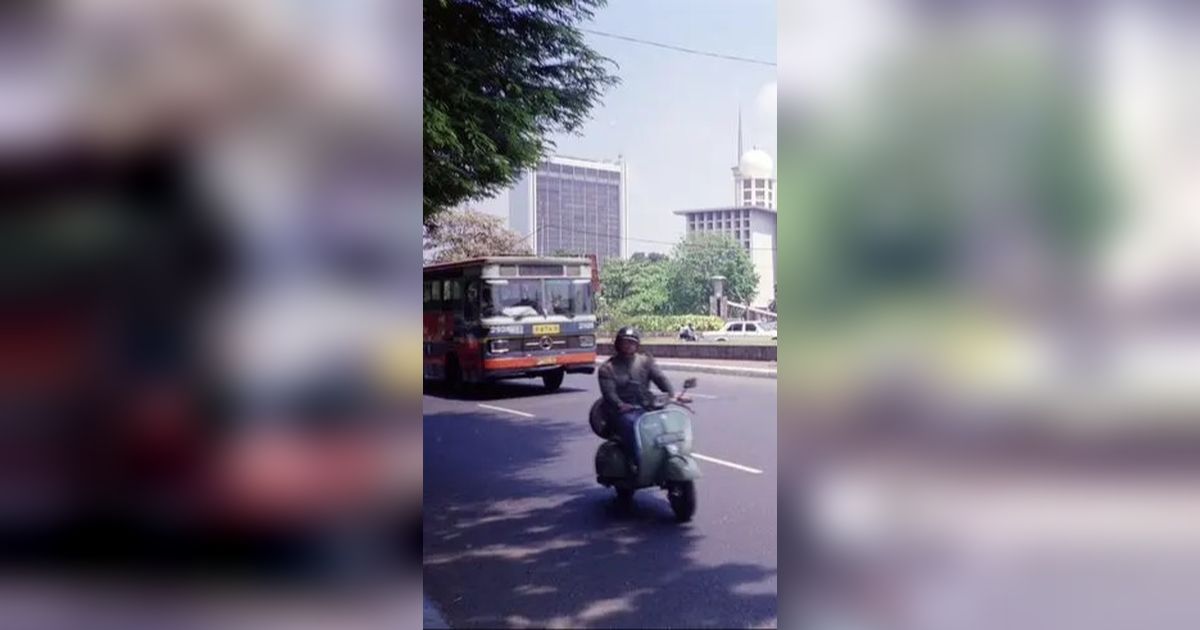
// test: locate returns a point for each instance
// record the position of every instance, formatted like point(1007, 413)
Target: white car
point(740, 329)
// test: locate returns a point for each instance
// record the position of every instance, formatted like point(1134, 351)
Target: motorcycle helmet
point(628, 332)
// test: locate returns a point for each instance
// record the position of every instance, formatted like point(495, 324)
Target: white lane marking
point(753, 471)
point(507, 410)
point(709, 396)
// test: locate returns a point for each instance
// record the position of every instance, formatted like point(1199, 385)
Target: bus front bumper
point(535, 365)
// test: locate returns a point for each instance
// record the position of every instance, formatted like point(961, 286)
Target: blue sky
point(674, 116)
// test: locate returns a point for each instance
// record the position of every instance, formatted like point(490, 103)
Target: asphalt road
point(518, 533)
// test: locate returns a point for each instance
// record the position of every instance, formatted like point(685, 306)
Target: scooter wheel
point(682, 496)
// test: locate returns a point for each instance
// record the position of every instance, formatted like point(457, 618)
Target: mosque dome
point(757, 164)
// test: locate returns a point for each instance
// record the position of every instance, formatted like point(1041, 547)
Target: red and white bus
point(509, 317)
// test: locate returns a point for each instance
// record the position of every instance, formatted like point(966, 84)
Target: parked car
point(739, 329)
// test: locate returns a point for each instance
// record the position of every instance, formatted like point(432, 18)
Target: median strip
point(753, 471)
point(710, 368)
point(507, 410)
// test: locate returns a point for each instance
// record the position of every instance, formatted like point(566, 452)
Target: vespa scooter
point(664, 434)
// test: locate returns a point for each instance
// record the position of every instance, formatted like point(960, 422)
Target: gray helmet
point(629, 332)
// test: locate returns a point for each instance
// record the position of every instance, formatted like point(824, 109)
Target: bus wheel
point(553, 380)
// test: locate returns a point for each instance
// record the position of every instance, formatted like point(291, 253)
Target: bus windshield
point(513, 298)
point(526, 298)
point(569, 297)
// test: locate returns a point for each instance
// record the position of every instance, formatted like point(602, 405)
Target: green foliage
point(500, 77)
point(633, 287)
point(663, 324)
point(695, 260)
point(466, 234)
point(680, 284)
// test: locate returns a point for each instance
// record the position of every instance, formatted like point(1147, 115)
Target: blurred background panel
point(994, 330)
point(208, 369)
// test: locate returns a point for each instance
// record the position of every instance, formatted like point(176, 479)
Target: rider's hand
point(626, 407)
point(683, 398)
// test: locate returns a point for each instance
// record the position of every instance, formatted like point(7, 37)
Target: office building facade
point(571, 205)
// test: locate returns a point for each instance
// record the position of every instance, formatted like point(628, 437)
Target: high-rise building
point(570, 205)
point(752, 219)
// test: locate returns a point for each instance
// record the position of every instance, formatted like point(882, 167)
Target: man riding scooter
point(625, 385)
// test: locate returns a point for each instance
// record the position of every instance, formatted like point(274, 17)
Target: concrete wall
point(730, 352)
point(762, 241)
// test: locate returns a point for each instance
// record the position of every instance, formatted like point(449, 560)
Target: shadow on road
point(504, 390)
point(506, 545)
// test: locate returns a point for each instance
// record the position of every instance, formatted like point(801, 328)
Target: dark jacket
point(627, 379)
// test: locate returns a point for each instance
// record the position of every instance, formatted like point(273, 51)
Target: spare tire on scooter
point(598, 418)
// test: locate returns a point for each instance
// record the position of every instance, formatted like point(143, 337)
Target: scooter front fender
point(681, 468)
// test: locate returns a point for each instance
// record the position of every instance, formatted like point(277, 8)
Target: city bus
point(509, 317)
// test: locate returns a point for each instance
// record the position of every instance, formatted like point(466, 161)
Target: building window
point(746, 183)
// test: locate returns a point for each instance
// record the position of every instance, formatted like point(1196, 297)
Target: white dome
point(756, 163)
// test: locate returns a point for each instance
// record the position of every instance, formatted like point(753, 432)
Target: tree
point(636, 287)
point(500, 77)
point(463, 234)
point(695, 260)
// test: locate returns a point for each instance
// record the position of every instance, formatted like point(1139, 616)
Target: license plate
point(545, 329)
point(547, 361)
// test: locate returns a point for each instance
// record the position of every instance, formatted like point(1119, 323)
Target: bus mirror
point(689, 384)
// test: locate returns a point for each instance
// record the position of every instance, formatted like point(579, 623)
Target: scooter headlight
point(673, 449)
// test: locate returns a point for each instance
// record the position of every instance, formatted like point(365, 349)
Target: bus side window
point(486, 293)
point(471, 305)
point(452, 294)
point(428, 298)
point(435, 296)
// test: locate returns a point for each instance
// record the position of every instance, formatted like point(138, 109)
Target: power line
point(690, 51)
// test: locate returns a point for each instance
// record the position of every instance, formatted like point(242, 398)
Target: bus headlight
point(498, 346)
point(587, 341)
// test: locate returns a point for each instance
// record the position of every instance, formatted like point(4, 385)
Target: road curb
point(432, 617)
point(680, 366)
